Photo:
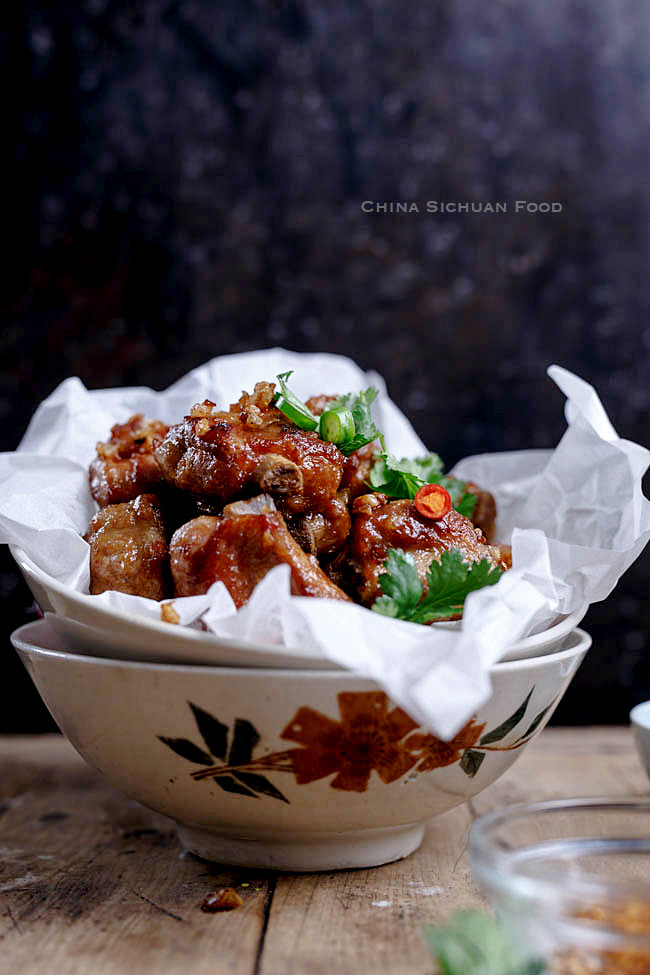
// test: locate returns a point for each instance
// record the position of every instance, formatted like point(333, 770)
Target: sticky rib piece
point(128, 549)
point(222, 455)
point(239, 550)
point(380, 524)
point(323, 532)
point(125, 465)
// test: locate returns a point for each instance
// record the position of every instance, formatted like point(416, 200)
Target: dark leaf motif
point(245, 737)
point(537, 721)
point(228, 784)
point(507, 725)
point(471, 761)
point(260, 784)
point(213, 732)
point(187, 749)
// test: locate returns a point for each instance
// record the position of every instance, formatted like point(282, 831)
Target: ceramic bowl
point(286, 769)
point(86, 626)
point(640, 719)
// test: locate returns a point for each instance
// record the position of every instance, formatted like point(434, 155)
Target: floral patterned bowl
point(286, 769)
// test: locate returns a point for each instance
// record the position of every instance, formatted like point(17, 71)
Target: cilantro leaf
point(359, 405)
point(403, 479)
point(449, 582)
point(400, 584)
point(474, 944)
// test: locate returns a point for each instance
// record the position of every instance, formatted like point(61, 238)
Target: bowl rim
point(556, 631)
point(640, 715)
point(23, 645)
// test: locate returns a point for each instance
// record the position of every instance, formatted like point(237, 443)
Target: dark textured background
point(186, 178)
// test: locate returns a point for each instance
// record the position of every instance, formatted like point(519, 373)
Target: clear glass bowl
point(570, 881)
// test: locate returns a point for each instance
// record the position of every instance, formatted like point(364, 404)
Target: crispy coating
point(505, 555)
point(128, 549)
point(125, 465)
point(380, 524)
point(222, 455)
point(239, 550)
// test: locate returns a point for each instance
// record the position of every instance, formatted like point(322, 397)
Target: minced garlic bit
point(168, 614)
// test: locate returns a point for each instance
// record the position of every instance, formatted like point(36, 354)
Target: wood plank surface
point(90, 882)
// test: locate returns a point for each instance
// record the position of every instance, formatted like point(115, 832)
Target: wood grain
point(91, 882)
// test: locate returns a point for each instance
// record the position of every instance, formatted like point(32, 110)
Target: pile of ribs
point(228, 495)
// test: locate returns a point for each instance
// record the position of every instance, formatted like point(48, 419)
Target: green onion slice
point(337, 426)
point(292, 407)
point(295, 415)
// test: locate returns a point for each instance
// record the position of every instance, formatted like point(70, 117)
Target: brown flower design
point(434, 753)
point(367, 737)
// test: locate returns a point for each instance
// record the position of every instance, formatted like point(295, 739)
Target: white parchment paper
point(576, 516)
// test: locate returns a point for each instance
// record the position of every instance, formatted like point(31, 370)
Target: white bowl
point(85, 625)
point(306, 770)
point(640, 719)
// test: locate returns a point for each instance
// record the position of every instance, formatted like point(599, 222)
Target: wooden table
point(90, 882)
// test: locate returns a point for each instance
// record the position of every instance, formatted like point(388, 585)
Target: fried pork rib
point(128, 549)
point(125, 465)
point(239, 549)
point(222, 455)
point(380, 524)
point(322, 533)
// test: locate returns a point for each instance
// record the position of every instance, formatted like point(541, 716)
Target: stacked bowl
point(270, 759)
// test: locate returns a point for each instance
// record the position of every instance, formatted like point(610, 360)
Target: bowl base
point(303, 851)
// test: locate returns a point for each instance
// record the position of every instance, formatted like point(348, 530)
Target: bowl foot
point(303, 851)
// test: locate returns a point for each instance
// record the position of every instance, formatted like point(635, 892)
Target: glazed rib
point(239, 549)
point(224, 454)
point(128, 549)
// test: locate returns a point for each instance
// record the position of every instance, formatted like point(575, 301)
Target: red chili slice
point(433, 501)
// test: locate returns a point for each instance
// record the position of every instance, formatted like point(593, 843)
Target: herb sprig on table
point(449, 583)
point(475, 944)
point(403, 478)
point(346, 421)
